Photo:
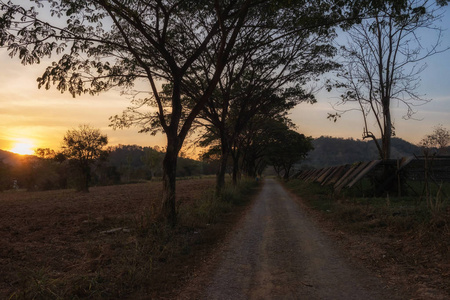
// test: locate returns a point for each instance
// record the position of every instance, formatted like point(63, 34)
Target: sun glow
point(23, 148)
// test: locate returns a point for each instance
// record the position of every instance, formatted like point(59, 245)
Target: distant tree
point(287, 148)
point(45, 153)
point(82, 146)
point(432, 145)
point(152, 159)
point(135, 162)
point(6, 180)
point(27, 172)
point(249, 152)
point(439, 140)
point(210, 158)
point(188, 167)
point(52, 174)
point(382, 64)
point(270, 85)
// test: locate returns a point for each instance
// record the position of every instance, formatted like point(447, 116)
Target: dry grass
point(58, 244)
point(406, 244)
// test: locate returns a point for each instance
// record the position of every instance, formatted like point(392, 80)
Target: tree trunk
point(220, 183)
point(277, 170)
point(287, 170)
point(87, 178)
point(386, 137)
point(168, 205)
point(386, 147)
point(235, 168)
point(84, 177)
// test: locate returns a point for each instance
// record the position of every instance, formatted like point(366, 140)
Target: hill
point(10, 158)
point(331, 151)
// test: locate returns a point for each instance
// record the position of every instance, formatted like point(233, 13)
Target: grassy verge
point(210, 208)
point(130, 256)
point(404, 240)
point(367, 214)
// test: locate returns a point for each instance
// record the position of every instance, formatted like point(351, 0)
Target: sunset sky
point(32, 117)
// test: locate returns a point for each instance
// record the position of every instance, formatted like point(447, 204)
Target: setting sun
point(23, 148)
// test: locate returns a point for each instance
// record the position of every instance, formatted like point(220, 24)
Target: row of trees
point(49, 169)
point(82, 147)
point(263, 142)
point(84, 160)
point(274, 145)
point(227, 63)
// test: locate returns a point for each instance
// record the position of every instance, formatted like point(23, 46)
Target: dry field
point(103, 244)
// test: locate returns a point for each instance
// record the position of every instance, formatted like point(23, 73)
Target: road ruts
point(278, 253)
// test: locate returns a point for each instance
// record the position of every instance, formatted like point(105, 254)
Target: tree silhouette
point(288, 148)
point(382, 64)
point(82, 146)
point(269, 80)
point(104, 44)
point(439, 139)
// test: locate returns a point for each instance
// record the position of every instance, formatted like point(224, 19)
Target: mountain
point(331, 151)
point(10, 158)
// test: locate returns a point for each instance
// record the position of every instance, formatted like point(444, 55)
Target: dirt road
point(278, 253)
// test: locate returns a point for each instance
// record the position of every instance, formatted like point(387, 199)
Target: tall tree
point(271, 78)
point(82, 146)
point(111, 43)
point(267, 25)
point(106, 44)
point(382, 63)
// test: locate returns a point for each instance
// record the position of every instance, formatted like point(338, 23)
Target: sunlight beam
point(23, 148)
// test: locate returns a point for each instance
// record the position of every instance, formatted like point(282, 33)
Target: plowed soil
point(52, 235)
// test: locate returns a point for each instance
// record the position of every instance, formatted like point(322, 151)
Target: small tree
point(439, 139)
point(47, 169)
point(82, 146)
point(152, 159)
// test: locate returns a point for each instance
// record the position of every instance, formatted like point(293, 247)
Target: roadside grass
point(139, 258)
point(360, 213)
point(409, 235)
point(211, 207)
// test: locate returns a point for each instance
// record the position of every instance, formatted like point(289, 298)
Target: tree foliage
point(83, 146)
point(106, 44)
point(439, 139)
point(269, 80)
point(135, 45)
point(287, 149)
